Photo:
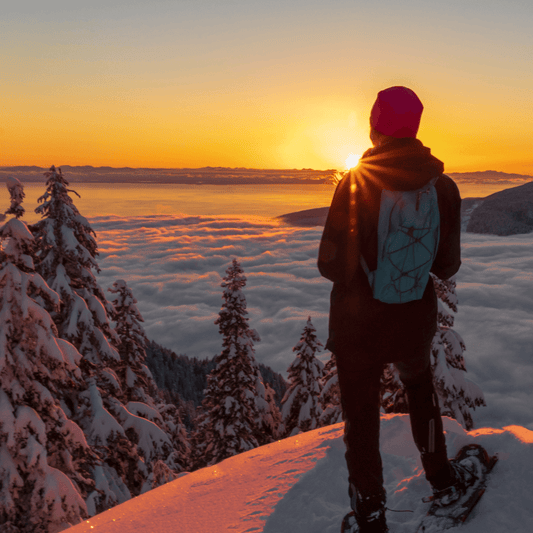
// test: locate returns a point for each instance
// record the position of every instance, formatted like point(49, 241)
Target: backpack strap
point(369, 275)
point(365, 266)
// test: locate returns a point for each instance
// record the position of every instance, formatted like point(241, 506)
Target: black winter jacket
point(369, 329)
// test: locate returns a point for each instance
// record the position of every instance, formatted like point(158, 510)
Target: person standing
point(367, 330)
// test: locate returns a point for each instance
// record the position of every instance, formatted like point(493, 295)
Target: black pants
point(360, 397)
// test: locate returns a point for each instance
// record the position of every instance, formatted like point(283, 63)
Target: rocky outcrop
point(306, 218)
point(508, 212)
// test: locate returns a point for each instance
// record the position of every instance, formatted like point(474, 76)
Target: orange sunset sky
point(261, 84)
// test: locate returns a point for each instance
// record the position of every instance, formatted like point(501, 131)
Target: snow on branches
point(16, 191)
point(131, 371)
point(301, 409)
point(66, 251)
point(44, 456)
point(330, 395)
point(81, 429)
point(137, 390)
point(457, 394)
point(236, 412)
point(112, 364)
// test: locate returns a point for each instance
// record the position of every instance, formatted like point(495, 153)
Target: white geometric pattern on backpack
point(408, 239)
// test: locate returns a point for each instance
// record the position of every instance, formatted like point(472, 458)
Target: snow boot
point(465, 473)
point(353, 524)
point(368, 515)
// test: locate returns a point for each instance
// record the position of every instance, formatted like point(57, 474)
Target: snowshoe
point(452, 506)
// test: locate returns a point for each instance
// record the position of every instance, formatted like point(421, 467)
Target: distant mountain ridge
point(192, 176)
point(222, 175)
point(494, 176)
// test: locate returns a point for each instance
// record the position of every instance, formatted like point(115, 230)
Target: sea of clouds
point(175, 265)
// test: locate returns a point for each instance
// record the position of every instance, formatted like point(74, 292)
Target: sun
point(352, 161)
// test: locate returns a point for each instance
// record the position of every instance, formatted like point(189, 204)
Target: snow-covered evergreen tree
point(274, 413)
point(66, 252)
point(231, 421)
point(330, 395)
point(172, 416)
point(139, 388)
point(393, 396)
point(457, 395)
point(16, 191)
point(44, 458)
point(127, 441)
point(301, 409)
point(268, 417)
point(66, 249)
point(133, 375)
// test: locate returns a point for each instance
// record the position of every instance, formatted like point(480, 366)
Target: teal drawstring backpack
point(408, 240)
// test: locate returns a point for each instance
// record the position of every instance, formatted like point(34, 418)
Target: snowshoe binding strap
point(348, 523)
point(448, 492)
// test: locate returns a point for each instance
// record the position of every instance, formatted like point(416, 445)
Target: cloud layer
point(175, 265)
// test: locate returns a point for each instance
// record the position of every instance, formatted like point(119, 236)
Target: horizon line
point(11, 168)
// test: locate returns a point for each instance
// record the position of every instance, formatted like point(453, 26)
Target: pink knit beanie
point(396, 112)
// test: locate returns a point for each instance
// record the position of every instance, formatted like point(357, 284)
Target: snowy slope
point(298, 485)
point(507, 212)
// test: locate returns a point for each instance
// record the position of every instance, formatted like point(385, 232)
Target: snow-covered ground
point(298, 485)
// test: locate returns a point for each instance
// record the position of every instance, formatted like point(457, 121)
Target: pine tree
point(268, 417)
point(393, 396)
point(138, 389)
point(66, 252)
point(66, 249)
point(182, 380)
point(230, 420)
point(274, 415)
point(301, 409)
point(457, 395)
point(44, 458)
point(392, 392)
point(127, 443)
point(133, 375)
point(16, 191)
point(330, 396)
point(179, 459)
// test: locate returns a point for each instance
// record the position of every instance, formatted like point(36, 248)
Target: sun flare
point(352, 161)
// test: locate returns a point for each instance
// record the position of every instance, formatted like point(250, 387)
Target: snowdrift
point(299, 485)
